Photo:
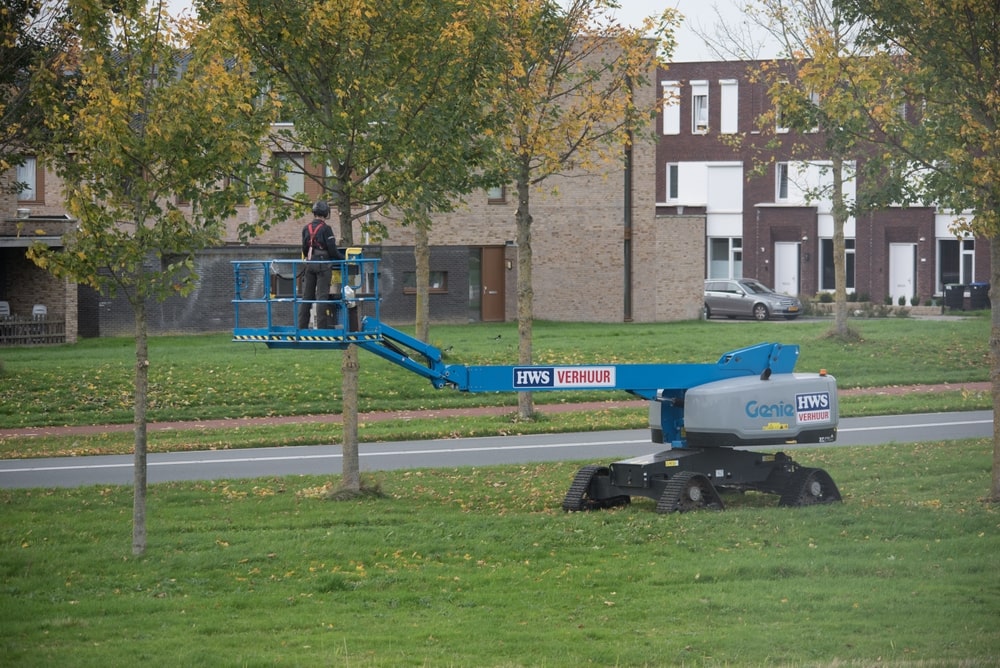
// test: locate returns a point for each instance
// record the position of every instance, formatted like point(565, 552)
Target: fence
point(19, 331)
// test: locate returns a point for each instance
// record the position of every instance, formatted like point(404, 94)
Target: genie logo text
point(552, 377)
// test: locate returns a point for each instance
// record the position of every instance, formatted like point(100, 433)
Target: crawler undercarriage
point(694, 478)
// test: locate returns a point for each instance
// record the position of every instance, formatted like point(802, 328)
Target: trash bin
point(954, 297)
point(979, 296)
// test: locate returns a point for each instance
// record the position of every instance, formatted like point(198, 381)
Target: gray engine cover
point(785, 408)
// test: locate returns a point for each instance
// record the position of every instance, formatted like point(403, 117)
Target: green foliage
point(946, 148)
point(30, 36)
point(388, 95)
point(480, 567)
point(157, 112)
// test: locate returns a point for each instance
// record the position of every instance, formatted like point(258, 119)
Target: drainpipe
point(627, 222)
point(627, 233)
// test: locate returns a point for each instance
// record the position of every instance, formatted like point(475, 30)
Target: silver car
point(747, 298)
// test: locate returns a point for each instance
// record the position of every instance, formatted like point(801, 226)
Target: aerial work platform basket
point(268, 296)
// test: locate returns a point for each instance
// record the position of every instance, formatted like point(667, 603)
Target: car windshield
point(756, 287)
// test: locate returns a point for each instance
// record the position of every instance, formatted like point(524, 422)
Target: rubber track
point(581, 483)
point(669, 500)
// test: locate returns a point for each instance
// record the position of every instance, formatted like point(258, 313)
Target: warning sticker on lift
point(534, 377)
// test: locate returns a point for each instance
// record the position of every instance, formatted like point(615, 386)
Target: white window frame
point(27, 176)
point(781, 182)
point(292, 168)
point(814, 100)
point(729, 106)
point(733, 261)
point(673, 181)
point(699, 107)
point(671, 107)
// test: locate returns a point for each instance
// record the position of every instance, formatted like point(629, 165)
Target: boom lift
point(706, 414)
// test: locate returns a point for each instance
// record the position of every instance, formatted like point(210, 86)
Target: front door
point(493, 295)
point(902, 271)
point(786, 268)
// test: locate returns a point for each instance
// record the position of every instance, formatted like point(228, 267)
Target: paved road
point(599, 447)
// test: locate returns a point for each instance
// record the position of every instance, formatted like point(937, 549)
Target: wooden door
point(493, 294)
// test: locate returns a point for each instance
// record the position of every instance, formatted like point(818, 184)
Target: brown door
point(492, 291)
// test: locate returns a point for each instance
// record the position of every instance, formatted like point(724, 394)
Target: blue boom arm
point(267, 288)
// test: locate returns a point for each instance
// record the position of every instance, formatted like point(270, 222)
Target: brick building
point(633, 242)
point(768, 226)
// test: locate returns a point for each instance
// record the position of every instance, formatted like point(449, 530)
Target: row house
point(630, 243)
point(601, 254)
point(778, 226)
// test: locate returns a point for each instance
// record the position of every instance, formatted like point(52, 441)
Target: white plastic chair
point(39, 312)
point(4, 310)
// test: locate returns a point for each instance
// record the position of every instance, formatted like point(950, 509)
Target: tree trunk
point(839, 253)
point(525, 293)
point(995, 361)
point(351, 478)
point(349, 366)
point(139, 421)
point(422, 257)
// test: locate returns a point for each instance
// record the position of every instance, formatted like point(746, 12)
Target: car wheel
point(760, 312)
point(708, 312)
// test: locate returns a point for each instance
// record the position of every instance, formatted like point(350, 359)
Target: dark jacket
point(319, 235)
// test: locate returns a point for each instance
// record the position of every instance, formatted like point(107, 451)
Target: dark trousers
point(317, 282)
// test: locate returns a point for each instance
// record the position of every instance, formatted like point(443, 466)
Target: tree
point(566, 103)
point(156, 113)
point(812, 97)
point(385, 95)
point(941, 60)
point(30, 36)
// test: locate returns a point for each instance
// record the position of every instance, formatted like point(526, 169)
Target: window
point(827, 279)
point(729, 106)
point(671, 108)
point(496, 195)
point(291, 166)
point(781, 182)
point(673, 188)
point(814, 101)
point(699, 107)
point(779, 121)
point(725, 257)
point(31, 181)
point(438, 283)
point(956, 262)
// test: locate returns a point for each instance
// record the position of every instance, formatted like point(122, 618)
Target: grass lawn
point(480, 566)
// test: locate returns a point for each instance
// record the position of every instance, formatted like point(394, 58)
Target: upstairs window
point(699, 107)
point(30, 181)
point(496, 195)
point(671, 108)
point(729, 106)
point(781, 182)
point(291, 166)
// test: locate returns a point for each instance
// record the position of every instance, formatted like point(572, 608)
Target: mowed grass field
point(480, 566)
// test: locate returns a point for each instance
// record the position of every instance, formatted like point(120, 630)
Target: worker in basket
point(319, 247)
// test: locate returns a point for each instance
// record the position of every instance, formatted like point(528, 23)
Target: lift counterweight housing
point(704, 413)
